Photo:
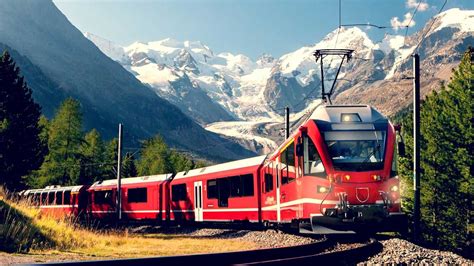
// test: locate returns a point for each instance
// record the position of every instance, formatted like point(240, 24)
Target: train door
point(198, 201)
point(269, 195)
point(287, 171)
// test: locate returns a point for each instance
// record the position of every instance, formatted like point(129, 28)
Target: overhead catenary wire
point(429, 28)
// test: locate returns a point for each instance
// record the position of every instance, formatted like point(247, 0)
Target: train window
point(178, 192)
point(223, 185)
point(36, 198)
point(287, 158)
point(103, 197)
point(44, 197)
point(247, 185)
point(235, 186)
point(312, 161)
point(67, 197)
point(212, 189)
point(268, 182)
point(59, 198)
point(137, 195)
point(51, 198)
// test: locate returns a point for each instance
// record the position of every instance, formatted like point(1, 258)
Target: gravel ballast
point(399, 251)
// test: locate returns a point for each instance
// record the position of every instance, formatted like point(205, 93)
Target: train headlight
point(347, 177)
point(351, 117)
point(322, 189)
point(394, 188)
point(376, 177)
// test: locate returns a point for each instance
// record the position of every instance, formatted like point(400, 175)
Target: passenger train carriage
point(337, 172)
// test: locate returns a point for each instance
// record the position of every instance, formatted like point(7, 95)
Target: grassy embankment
point(26, 230)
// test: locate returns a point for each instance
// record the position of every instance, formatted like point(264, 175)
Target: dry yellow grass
point(66, 236)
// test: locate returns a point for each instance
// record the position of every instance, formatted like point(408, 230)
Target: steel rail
point(301, 255)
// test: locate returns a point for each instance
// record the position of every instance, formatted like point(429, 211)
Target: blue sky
point(251, 27)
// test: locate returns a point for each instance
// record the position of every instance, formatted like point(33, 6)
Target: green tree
point(21, 150)
point(446, 160)
point(155, 157)
point(109, 168)
point(129, 169)
point(62, 165)
point(93, 158)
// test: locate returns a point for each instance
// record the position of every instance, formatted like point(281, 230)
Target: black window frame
point(101, 197)
point(287, 156)
point(212, 189)
point(67, 197)
point(179, 192)
point(268, 182)
point(59, 200)
point(137, 195)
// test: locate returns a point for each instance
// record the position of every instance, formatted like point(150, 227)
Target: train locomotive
point(335, 173)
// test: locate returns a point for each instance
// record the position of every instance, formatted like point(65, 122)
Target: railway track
point(319, 252)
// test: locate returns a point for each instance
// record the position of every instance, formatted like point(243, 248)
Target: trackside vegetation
point(447, 161)
point(25, 229)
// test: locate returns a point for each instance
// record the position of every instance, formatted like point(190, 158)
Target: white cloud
point(397, 24)
point(413, 4)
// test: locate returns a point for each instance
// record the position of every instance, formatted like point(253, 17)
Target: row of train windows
point(53, 198)
point(221, 189)
point(135, 195)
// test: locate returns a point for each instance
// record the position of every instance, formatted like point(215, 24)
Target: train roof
point(333, 113)
point(249, 162)
point(133, 180)
point(53, 189)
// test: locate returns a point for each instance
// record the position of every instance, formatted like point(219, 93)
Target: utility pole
point(119, 172)
point(416, 146)
point(287, 122)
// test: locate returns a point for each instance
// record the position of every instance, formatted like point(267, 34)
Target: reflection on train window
point(287, 158)
point(59, 198)
point(67, 197)
point(356, 150)
point(103, 197)
point(312, 161)
point(178, 192)
point(137, 195)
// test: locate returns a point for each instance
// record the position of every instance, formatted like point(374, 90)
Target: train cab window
point(67, 197)
point(51, 198)
point(312, 161)
point(136, 195)
point(103, 197)
point(212, 189)
point(59, 198)
point(178, 192)
point(287, 158)
point(268, 182)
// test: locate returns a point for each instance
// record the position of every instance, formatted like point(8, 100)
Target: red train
point(336, 172)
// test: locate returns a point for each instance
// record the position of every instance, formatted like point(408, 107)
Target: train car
point(338, 170)
point(220, 193)
point(59, 201)
point(143, 198)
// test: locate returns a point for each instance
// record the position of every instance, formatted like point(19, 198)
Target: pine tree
point(447, 159)
point(62, 165)
point(109, 168)
point(21, 150)
point(93, 157)
point(129, 169)
point(155, 157)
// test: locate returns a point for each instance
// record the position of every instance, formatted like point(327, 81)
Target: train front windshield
point(356, 150)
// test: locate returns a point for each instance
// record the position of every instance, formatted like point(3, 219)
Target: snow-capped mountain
point(217, 87)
